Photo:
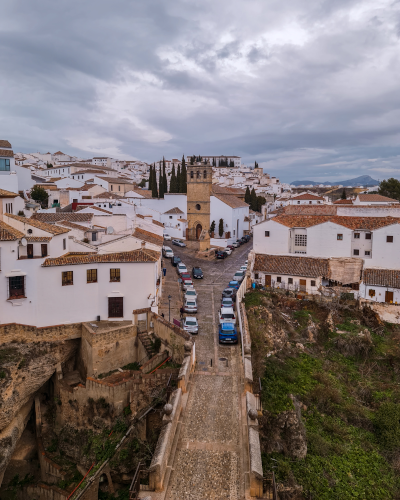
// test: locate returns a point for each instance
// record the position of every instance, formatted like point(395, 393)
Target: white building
point(374, 199)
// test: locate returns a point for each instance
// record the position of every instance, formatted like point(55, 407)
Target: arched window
point(198, 174)
point(191, 174)
point(205, 174)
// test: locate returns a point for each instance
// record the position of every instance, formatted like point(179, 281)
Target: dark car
point(175, 261)
point(239, 242)
point(229, 293)
point(197, 273)
point(243, 239)
point(221, 255)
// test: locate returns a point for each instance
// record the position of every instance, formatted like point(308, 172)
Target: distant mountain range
point(363, 180)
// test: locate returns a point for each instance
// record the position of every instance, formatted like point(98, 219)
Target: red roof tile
point(292, 266)
point(76, 258)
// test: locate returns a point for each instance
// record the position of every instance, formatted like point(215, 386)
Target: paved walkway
point(208, 462)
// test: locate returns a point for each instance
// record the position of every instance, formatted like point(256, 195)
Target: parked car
point(226, 302)
point(197, 273)
point(167, 252)
point(246, 262)
point(247, 236)
point(239, 242)
point(167, 237)
point(190, 306)
point(234, 284)
point(235, 244)
point(231, 247)
point(243, 239)
point(227, 315)
point(227, 250)
point(175, 260)
point(221, 255)
point(181, 268)
point(191, 325)
point(178, 243)
point(227, 333)
point(243, 268)
point(190, 294)
point(229, 293)
point(187, 283)
point(238, 276)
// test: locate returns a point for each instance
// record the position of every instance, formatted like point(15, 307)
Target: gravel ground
point(207, 462)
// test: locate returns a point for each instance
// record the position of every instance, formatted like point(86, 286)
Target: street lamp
point(169, 307)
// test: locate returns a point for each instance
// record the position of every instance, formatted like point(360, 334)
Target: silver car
point(190, 294)
point(190, 306)
point(239, 276)
point(191, 325)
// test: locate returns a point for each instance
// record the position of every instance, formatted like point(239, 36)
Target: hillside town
point(124, 282)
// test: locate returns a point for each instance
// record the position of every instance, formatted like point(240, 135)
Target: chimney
point(143, 245)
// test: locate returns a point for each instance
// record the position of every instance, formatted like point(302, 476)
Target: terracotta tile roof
point(108, 195)
point(59, 153)
point(343, 202)
point(382, 277)
point(49, 228)
point(9, 233)
point(292, 266)
point(216, 189)
point(4, 144)
point(72, 225)
point(37, 239)
point(58, 216)
point(376, 198)
point(231, 200)
point(6, 152)
point(307, 196)
point(116, 180)
point(174, 210)
point(310, 209)
point(301, 220)
point(143, 192)
point(101, 209)
point(369, 223)
point(144, 235)
point(182, 220)
point(158, 223)
point(7, 194)
point(76, 258)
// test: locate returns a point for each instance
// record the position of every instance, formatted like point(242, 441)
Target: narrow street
point(208, 460)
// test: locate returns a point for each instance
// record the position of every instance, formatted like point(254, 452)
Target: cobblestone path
point(208, 462)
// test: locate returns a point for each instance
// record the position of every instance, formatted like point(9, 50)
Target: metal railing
point(135, 484)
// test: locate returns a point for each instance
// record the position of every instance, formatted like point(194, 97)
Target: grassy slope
point(351, 392)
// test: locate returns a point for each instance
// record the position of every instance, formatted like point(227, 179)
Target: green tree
point(214, 164)
point(49, 165)
point(260, 202)
point(231, 164)
point(221, 227)
point(172, 182)
point(151, 177)
point(160, 183)
point(178, 178)
point(390, 188)
point(253, 202)
point(154, 190)
point(165, 182)
point(192, 158)
point(40, 196)
point(212, 227)
point(343, 197)
point(255, 164)
point(143, 183)
point(183, 179)
point(247, 196)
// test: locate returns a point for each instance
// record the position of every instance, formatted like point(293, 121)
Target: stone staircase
point(147, 340)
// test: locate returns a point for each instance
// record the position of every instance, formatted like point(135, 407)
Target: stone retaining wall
point(173, 336)
point(184, 374)
point(42, 492)
point(153, 362)
point(14, 332)
point(165, 441)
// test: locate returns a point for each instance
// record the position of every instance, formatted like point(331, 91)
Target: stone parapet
point(256, 470)
point(15, 332)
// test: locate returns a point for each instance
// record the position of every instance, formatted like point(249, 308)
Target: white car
point(238, 276)
point(190, 294)
point(243, 268)
point(227, 315)
point(227, 250)
point(167, 237)
point(167, 252)
point(181, 268)
point(191, 325)
point(190, 306)
point(186, 284)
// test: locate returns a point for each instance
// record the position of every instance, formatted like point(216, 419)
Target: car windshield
point(191, 323)
point(227, 326)
point(227, 316)
point(190, 292)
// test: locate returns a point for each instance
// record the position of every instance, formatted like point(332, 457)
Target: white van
point(167, 252)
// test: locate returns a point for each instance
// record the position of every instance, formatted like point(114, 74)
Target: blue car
point(234, 284)
point(228, 333)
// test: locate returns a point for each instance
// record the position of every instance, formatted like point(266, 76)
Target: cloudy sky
point(309, 89)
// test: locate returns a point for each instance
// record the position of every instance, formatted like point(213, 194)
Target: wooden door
point(303, 285)
point(30, 250)
point(44, 249)
point(198, 231)
point(115, 307)
point(388, 296)
point(267, 280)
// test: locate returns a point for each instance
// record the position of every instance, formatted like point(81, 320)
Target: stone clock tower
point(199, 183)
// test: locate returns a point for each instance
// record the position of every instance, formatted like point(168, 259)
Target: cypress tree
point(247, 196)
point(160, 183)
point(154, 191)
point(183, 179)
point(192, 158)
point(214, 163)
point(165, 182)
point(253, 203)
point(172, 184)
point(178, 179)
point(343, 194)
point(221, 227)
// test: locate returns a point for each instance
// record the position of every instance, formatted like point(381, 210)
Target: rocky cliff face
point(24, 368)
